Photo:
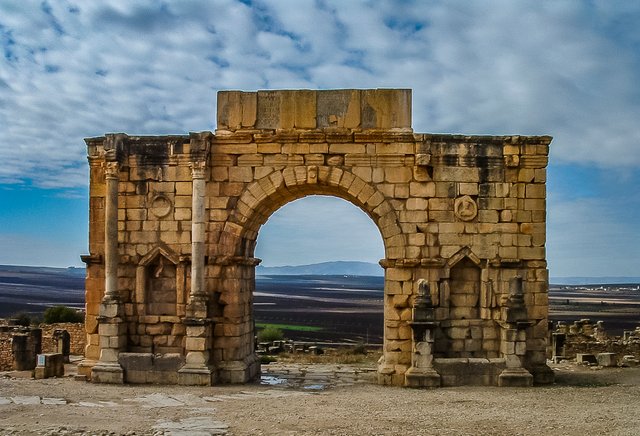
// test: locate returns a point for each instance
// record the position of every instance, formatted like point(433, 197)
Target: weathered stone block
point(136, 361)
point(49, 365)
point(168, 362)
point(587, 359)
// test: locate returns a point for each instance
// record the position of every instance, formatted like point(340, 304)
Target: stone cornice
point(412, 263)
point(91, 259)
point(233, 260)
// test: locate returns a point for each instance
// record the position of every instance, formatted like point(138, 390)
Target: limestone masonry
point(174, 222)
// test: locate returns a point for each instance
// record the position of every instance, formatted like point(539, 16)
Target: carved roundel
point(161, 206)
point(465, 208)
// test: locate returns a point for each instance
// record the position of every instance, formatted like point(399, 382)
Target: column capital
point(198, 169)
point(111, 170)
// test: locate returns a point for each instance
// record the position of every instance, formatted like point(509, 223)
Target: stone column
point(111, 326)
point(197, 369)
point(513, 338)
point(111, 232)
point(422, 373)
point(197, 231)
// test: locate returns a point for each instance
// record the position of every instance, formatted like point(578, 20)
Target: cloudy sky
point(570, 69)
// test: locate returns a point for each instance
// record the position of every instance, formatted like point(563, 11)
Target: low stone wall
point(584, 337)
point(49, 344)
point(76, 331)
point(6, 355)
point(19, 347)
point(592, 347)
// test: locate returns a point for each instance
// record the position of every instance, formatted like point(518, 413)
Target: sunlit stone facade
point(174, 222)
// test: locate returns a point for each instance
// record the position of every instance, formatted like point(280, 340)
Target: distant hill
point(594, 280)
point(351, 268)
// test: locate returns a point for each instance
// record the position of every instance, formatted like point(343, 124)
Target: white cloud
point(69, 70)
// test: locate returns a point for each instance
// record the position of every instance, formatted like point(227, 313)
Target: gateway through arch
point(174, 222)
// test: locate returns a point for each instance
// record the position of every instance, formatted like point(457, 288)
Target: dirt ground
point(582, 401)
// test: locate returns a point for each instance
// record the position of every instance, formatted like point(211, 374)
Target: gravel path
point(583, 401)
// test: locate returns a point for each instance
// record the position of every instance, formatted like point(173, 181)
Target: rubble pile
point(589, 344)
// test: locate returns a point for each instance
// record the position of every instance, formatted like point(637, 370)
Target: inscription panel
point(332, 106)
point(268, 110)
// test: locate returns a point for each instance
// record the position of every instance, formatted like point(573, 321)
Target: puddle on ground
point(296, 383)
point(272, 380)
point(314, 387)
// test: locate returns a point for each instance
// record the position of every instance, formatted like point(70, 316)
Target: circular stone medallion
point(465, 208)
point(161, 206)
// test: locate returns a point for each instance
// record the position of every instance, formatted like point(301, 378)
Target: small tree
point(269, 334)
point(58, 314)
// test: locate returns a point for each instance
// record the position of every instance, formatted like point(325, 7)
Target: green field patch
point(290, 327)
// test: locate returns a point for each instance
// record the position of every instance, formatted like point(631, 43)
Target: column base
point(240, 371)
point(515, 377)
point(542, 375)
point(85, 366)
point(196, 376)
point(390, 374)
point(104, 372)
point(422, 378)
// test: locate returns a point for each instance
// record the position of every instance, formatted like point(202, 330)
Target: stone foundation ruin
point(174, 222)
point(583, 338)
point(20, 346)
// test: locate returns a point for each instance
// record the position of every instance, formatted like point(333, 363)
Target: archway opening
point(320, 280)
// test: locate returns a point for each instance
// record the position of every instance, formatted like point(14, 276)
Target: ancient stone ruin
point(586, 342)
point(20, 347)
point(174, 222)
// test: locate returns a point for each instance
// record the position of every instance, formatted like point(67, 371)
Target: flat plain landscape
point(333, 308)
point(30, 290)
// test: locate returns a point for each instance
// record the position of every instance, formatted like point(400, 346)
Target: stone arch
point(271, 192)
point(239, 236)
point(272, 147)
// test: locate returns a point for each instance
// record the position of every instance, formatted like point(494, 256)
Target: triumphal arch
point(174, 222)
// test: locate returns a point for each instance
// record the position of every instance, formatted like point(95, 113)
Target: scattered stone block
point(586, 359)
point(629, 361)
point(26, 400)
point(607, 359)
point(49, 365)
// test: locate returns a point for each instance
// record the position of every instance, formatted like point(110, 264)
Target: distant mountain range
point(350, 268)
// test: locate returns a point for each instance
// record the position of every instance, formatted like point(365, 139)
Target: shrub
point(270, 334)
point(22, 319)
point(359, 348)
point(265, 360)
point(62, 314)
